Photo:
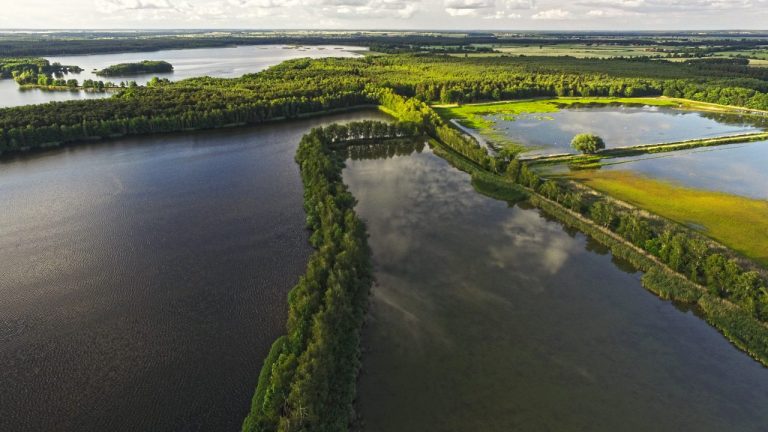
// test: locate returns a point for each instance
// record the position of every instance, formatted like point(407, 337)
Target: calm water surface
point(619, 126)
point(142, 281)
point(738, 169)
point(491, 318)
point(228, 62)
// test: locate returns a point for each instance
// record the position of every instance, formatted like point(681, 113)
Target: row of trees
point(245, 113)
point(47, 80)
point(686, 254)
point(307, 382)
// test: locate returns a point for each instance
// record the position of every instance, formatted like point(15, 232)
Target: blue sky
point(390, 14)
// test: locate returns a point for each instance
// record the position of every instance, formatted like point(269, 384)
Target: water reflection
point(142, 281)
point(492, 318)
point(619, 126)
point(385, 150)
point(737, 169)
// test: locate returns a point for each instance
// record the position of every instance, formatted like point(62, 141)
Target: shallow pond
point(618, 125)
point(230, 62)
point(494, 318)
point(142, 281)
point(738, 169)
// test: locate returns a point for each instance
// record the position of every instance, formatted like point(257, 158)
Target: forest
point(138, 68)
point(304, 86)
point(671, 44)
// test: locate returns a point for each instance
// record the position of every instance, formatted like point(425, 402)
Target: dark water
point(738, 169)
point(143, 281)
point(619, 126)
point(490, 318)
point(229, 62)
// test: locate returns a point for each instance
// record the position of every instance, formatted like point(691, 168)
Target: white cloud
point(503, 15)
point(610, 13)
point(487, 9)
point(553, 14)
point(406, 14)
point(127, 5)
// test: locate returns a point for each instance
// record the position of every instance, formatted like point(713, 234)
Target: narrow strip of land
point(639, 149)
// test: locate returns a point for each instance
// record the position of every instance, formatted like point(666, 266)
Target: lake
point(490, 317)
point(230, 62)
point(619, 126)
point(738, 169)
point(143, 280)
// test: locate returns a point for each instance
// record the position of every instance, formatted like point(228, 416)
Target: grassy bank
point(737, 222)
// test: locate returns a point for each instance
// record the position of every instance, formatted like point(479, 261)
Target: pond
point(492, 317)
point(618, 125)
point(738, 169)
point(142, 281)
point(229, 62)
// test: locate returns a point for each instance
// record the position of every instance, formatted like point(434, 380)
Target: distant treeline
point(52, 46)
point(307, 382)
point(110, 42)
point(304, 86)
point(138, 68)
point(402, 48)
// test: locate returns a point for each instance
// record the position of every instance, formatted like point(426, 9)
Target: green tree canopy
point(587, 143)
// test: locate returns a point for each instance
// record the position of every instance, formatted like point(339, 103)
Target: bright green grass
point(737, 222)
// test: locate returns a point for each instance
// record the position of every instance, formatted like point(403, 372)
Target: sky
point(615, 15)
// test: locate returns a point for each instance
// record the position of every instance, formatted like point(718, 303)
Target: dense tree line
point(100, 43)
point(307, 382)
point(138, 68)
point(684, 253)
point(13, 67)
point(304, 86)
point(27, 44)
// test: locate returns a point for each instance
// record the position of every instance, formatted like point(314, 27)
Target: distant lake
point(143, 280)
point(496, 318)
point(229, 62)
point(546, 133)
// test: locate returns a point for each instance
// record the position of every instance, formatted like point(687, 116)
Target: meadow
point(737, 222)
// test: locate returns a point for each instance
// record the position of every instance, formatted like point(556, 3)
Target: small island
point(140, 68)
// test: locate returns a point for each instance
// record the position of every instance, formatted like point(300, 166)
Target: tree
point(587, 143)
point(603, 214)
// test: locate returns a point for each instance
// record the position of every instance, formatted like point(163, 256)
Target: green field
point(737, 222)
